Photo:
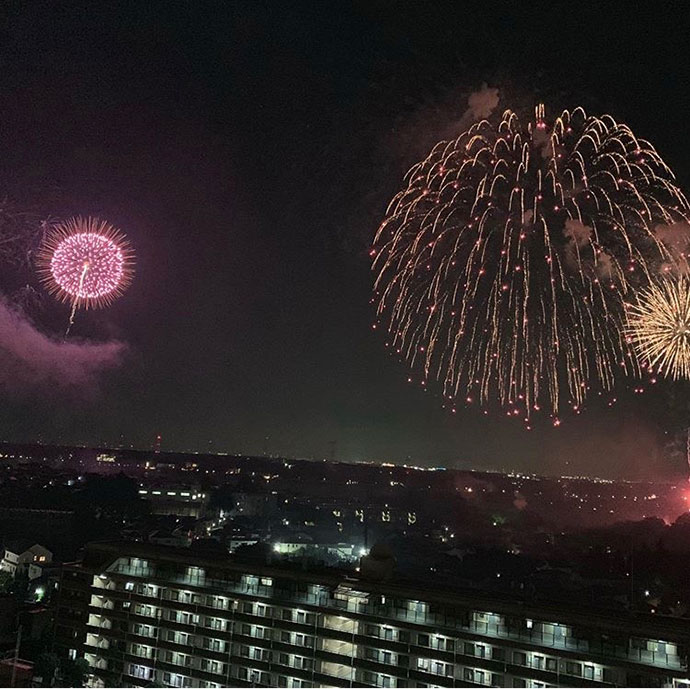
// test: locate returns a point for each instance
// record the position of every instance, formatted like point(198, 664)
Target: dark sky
point(249, 149)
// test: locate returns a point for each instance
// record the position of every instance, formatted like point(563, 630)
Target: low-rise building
point(9, 560)
point(175, 538)
point(32, 559)
point(24, 558)
point(179, 500)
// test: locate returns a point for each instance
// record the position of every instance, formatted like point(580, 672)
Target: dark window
point(610, 676)
point(423, 639)
point(519, 658)
point(573, 669)
point(498, 653)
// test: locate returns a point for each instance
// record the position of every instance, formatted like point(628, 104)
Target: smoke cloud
point(676, 240)
point(30, 359)
point(480, 105)
point(578, 235)
point(604, 266)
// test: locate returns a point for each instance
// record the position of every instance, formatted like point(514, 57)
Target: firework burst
point(501, 266)
point(85, 262)
point(658, 325)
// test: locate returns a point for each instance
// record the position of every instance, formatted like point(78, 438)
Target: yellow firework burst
point(658, 325)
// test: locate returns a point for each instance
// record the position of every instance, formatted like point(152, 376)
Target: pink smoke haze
point(30, 359)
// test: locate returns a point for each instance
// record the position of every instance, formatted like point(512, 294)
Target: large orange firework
point(501, 266)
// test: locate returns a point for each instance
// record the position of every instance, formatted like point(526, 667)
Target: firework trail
point(85, 262)
point(501, 266)
point(658, 325)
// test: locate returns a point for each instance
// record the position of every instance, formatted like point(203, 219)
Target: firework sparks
point(85, 262)
point(502, 265)
point(658, 326)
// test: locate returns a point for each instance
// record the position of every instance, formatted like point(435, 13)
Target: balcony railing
point(448, 624)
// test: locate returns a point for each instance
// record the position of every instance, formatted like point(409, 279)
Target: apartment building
point(144, 615)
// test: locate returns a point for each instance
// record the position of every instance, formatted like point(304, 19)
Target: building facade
point(143, 615)
point(180, 500)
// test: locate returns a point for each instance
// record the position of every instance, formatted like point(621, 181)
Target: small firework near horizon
point(658, 326)
point(85, 262)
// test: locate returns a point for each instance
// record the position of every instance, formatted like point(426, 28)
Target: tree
point(6, 580)
point(74, 672)
point(45, 667)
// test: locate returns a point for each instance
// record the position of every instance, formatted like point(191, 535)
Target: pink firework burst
point(86, 262)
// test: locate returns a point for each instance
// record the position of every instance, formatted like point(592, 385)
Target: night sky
point(249, 150)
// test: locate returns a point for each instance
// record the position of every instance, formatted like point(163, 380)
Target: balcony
point(95, 661)
point(99, 621)
point(343, 648)
point(98, 601)
point(338, 670)
point(97, 641)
